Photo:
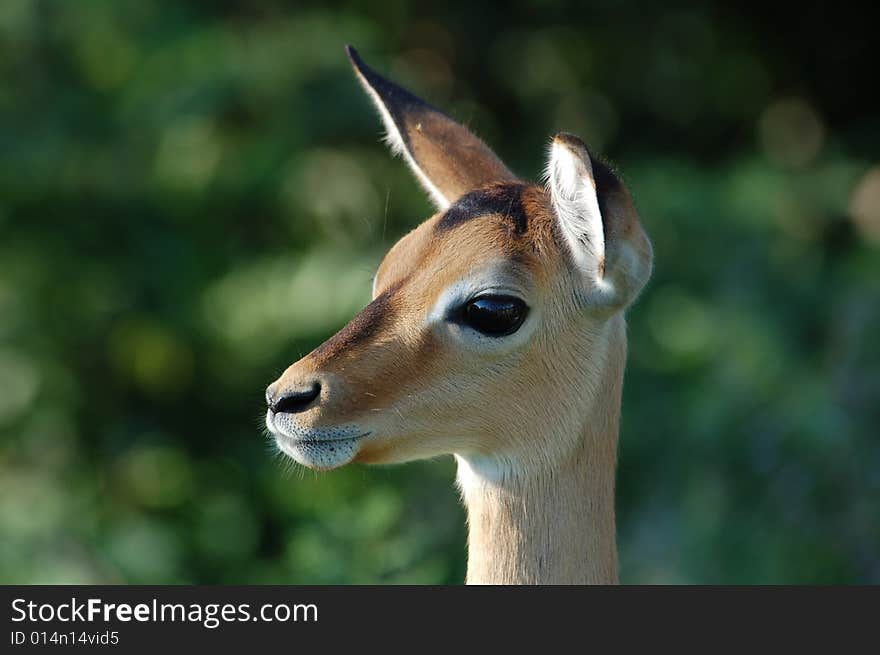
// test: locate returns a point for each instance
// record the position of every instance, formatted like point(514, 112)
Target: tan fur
point(533, 419)
point(447, 158)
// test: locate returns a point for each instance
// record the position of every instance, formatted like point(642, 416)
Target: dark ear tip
point(373, 80)
point(354, 57)
point(570, 141)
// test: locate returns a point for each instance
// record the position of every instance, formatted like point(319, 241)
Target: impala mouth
point(305, 441)
point(316, 448)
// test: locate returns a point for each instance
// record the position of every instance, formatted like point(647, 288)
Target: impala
point(496, 334)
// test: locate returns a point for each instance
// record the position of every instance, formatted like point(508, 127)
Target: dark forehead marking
point(503, 199)
point(363, 327)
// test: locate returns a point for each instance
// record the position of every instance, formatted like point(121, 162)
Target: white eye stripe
point(457, 295)
point(495, 280)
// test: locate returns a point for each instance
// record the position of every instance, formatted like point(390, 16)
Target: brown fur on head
point(410, 377)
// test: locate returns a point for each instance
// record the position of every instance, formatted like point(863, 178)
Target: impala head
point(497, 318)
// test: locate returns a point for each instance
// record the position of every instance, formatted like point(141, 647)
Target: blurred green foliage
point(192, 195)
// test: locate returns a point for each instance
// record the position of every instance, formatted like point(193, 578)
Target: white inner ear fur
point(395, 142)
point(573, 193)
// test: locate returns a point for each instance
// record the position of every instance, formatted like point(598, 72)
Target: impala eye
point(494, 316)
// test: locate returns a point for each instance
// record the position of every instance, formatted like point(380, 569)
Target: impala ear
point(446, 158)
point(598, 222)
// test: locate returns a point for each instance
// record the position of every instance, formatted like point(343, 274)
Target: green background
point(192, 195)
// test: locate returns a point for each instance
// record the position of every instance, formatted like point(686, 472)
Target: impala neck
point(534, 523)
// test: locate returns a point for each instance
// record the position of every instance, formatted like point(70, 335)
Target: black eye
point(494, 316)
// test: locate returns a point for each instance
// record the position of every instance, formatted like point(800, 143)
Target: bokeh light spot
point(864, 206)
point(151, 356)
point(19, 380)
point(791, 133)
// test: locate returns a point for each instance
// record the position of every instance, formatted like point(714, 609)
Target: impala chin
point(317, 448)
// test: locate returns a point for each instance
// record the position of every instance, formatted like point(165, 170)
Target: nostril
point(291, 402)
